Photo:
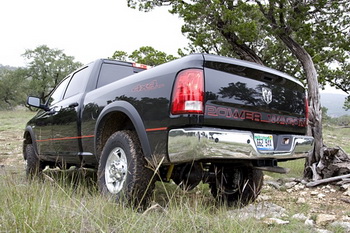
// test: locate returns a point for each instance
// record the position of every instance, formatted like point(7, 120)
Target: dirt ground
point(328, 199)
point(11, 149)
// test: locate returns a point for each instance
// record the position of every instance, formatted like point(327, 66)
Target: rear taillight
point(188, 93)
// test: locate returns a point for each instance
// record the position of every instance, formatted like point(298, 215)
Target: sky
point(85, 29)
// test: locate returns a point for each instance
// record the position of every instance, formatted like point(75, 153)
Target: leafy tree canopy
point(12, 87)
point(46, 68)
point(144, 55)
point(251, 30)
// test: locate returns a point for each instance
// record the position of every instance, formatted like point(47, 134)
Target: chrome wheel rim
point(116, 170)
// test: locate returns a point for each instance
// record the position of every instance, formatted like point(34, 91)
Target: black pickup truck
point(201, 118)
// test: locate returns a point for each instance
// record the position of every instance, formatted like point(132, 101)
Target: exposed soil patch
point(11, 149)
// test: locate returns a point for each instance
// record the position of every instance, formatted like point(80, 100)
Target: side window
point(57, 94)
point(78, 82)
point(112, 72)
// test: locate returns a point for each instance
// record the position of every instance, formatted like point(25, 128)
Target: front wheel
point(122, 170)
point(34, 166)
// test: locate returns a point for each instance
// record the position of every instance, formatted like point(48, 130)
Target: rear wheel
point(236, 186)
point(122, 169)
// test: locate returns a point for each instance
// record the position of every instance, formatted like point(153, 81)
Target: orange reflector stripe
point(156, 129)
point(65, 138)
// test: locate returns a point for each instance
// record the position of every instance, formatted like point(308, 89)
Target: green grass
point(14, 120)
point(62, 206)
point(337, 136)
point(66, 203)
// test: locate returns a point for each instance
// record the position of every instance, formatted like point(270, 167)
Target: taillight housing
point(188, 93)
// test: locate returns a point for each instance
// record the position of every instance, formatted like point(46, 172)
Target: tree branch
point(241, 49)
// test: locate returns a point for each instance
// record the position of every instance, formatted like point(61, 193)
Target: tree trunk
point(315, 114)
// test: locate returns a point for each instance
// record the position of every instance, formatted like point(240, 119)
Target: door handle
point(73, 105)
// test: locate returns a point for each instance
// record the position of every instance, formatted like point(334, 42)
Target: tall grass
point(60, 205)
point(68, 202)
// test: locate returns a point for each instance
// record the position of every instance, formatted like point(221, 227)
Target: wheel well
point(111, 123)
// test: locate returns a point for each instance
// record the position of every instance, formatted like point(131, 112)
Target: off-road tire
point(246, 190)
point(133, 183)
point(34, 166)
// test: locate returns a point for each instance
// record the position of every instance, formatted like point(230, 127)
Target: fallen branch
point(327, 180)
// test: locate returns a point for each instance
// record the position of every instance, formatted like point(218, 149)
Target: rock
point(299, 187)
point(274, 184)
point(301, 200)
point(344, 225)
point(314, 193)
point(303, 194)
point(299, 217)
point(290, 185)
point(324, 218)
point(309, 222)
point(321, 196)
point(347, 193)
point(263, 197)
point(322, 231)
point(345, 187)
point(277, 221)
point(304, 182)
point(258, 211)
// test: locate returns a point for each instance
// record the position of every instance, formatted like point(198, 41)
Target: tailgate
point(244, 95)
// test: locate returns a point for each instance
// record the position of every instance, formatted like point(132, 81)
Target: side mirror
point(35, 102)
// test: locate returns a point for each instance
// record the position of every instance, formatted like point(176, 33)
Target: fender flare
point(29, 130)
point(130, 111)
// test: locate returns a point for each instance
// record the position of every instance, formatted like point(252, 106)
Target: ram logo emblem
point(267, 95)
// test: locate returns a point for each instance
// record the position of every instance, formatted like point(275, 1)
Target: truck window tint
point(110, 73)
point(78, 82)
point(57, 94)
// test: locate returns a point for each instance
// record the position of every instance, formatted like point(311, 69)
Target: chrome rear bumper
point(191, 144)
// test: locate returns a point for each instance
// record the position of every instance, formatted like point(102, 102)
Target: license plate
point(264, 141)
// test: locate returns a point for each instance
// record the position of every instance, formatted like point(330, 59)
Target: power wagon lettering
point(234, 113)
